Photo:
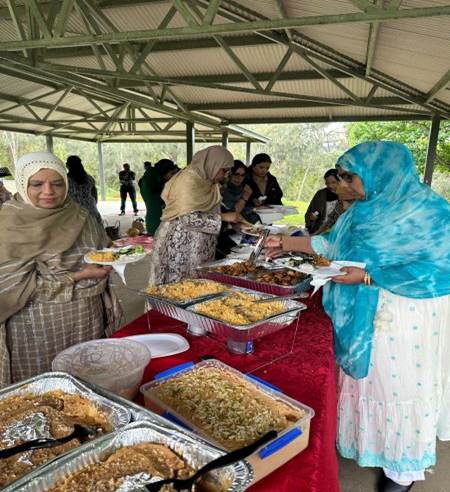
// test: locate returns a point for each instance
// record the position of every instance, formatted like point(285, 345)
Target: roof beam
point(15, 17)
point(372, 41)
point(297, 97)
point(376, 101)
point(185, 13)
point(211, 12)
point(166, 46)
point(151, 44)
point(239, 77)
point(119, 95)
point(58, 102)
point(438, 86)
point(37, 14)
point(227, 28)
point(335, 59)
point(160, 79)
point(62, 17)
point(236, 60)
point(276, 75)
point(373, 33)
point(23, 101)
point(327, 119)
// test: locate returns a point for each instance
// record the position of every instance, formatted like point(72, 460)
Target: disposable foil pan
point(196, 453)
point(235, 332)
point(138, 413)
point(204, 271)
point(36, 426)
point(117, 414)
point(151, 297)
point(251, 331)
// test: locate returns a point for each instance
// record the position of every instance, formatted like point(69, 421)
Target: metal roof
point(133, 70)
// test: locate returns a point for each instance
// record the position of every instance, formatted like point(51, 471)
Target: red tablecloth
point(306, 374)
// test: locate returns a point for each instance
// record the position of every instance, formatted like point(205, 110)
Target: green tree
point(414, 134)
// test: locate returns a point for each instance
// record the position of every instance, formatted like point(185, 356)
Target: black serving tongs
point(79, 431)
point(225, 460)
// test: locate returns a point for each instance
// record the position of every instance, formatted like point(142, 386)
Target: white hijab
point(30, 164)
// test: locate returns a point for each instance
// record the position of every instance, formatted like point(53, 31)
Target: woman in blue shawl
point(392, 320)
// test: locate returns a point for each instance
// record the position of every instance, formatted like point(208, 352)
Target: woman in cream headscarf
point(191, 220)
point(49, 299)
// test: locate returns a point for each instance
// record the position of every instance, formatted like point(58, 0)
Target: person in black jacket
point(264, 186)
point(127, 187)
point(323, 202)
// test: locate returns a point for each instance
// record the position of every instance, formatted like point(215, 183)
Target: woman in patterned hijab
point(391, 319)
point(49, 300)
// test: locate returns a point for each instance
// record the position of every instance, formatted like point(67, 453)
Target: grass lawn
point(298, 219)
point(294, 220)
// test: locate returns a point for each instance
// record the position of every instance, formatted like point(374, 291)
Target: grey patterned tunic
point(183, 244)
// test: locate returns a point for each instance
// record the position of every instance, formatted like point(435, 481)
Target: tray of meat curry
point(262, 277)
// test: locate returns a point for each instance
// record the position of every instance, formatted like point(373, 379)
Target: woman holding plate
point(49, 299)
point(391, 320)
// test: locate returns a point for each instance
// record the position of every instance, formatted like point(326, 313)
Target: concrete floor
point(352, 477)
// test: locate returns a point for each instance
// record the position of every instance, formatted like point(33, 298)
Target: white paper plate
point(122, 261)
point(332, 270)
point(162, 344)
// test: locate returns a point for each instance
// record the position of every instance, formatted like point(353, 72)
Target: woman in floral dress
point(192, 220)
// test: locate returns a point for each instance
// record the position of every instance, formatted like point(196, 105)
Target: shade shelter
point(180, 70)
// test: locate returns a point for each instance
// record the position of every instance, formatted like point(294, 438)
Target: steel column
point(248, 152)
point(225, 139)
point(431, 151)
point(190, 141)
point(101, 171)
point(49, 140)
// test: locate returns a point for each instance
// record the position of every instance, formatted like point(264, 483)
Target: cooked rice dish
point(186, 290)
point(239, 309)
point(103, 256)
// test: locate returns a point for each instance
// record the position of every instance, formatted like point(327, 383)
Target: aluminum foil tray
point(196, 453)
point(246, 282)
point(235, 332)
point(251, 331)
point(182, 304)
point(118, 414)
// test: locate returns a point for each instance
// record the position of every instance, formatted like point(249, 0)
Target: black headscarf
point(76, 169)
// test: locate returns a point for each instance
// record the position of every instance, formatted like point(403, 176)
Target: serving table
point(299, 362)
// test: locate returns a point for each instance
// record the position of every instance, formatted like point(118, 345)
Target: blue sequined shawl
point(401, 231)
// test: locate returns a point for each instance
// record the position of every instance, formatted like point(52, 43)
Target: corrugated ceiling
point(194, 78)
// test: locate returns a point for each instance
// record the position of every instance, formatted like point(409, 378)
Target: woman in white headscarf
point(191, 220)
point(49, 299)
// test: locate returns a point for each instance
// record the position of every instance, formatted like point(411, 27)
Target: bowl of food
point(115, 364)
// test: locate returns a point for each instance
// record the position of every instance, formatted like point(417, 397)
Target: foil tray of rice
point(185, 292)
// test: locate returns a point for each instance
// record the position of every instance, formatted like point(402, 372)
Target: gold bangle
point(367, 279)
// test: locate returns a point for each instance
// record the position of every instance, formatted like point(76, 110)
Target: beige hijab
point(28, 232)
point(193, 190)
